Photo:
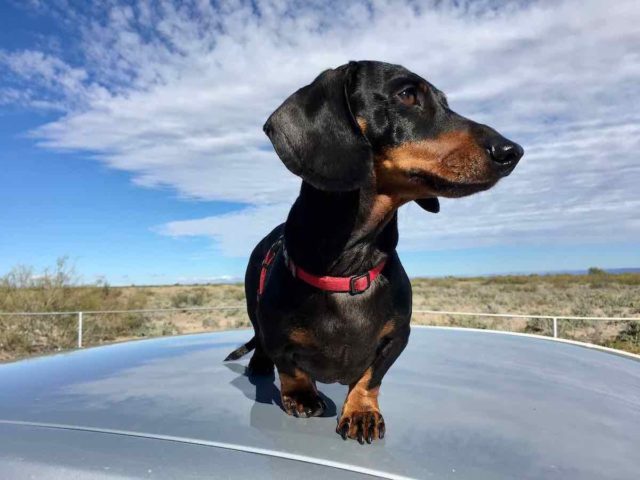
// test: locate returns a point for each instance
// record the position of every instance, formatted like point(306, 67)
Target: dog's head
point(376, 122)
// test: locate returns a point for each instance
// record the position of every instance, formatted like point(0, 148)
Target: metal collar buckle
point(352, 283)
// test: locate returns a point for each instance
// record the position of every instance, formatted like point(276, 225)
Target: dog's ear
point(316, 135)
point(429, 204)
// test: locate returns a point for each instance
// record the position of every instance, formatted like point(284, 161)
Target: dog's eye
point(409, 96)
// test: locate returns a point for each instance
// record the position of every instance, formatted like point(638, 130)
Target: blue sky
point(131, 132)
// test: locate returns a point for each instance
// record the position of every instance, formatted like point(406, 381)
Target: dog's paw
point(364, 426)
point(303, 404)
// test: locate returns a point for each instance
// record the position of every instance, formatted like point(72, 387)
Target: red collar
point(353, 285)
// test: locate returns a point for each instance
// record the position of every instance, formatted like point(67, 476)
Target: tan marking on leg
point(361, 418)
point(299, 395)
point(387, 328)
point(296, 382)
point(360, 397)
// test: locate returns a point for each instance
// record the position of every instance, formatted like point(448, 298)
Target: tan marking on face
point(362, 123)
point(302, 337)
point(381, 211)
point(454, 157)
point(386, 329)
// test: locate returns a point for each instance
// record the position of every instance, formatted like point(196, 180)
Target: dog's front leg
point(361, 418)
point(299, 393)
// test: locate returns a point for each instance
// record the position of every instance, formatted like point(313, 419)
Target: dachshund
point(326, 293)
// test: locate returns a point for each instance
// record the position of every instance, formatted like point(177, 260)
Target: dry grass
point(596, 294)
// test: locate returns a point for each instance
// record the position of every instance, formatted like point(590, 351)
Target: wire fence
point(76, 329)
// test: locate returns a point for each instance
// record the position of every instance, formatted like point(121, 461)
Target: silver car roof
point(457, 404)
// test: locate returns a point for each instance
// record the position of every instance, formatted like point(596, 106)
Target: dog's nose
point(505, 154)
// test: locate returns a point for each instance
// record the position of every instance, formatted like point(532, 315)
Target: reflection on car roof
point(458, 404)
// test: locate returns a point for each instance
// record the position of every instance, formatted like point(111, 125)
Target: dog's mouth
point(446, 188)
point(506, 169)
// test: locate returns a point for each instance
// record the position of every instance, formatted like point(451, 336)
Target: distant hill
point(613, 271)
point(622, 270)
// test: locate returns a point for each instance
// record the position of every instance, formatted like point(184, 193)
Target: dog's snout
point(505, 154)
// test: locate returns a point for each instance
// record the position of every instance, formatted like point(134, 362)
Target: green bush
point(596, 271)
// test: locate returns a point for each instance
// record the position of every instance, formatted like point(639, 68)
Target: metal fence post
point(555, 327)
point(79, 329)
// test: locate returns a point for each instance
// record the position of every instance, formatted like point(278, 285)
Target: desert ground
point(594, 294)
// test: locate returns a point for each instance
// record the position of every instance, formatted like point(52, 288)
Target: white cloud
point(235, 233)
point(177, 95)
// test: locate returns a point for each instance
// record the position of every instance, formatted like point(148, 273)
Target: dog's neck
point(341, 234)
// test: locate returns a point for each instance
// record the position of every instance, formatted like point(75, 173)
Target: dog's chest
point(333, 337)
point(340, 362)
point(339, 348)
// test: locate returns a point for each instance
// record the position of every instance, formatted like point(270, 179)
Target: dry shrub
point(58, 289)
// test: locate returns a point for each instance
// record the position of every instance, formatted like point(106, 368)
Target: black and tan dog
point(327, 295)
